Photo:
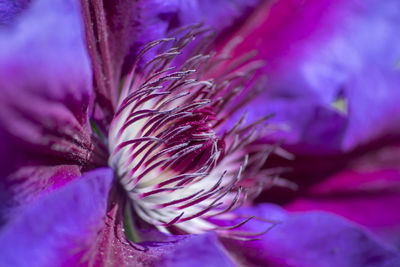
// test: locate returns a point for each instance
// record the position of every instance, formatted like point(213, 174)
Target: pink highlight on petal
point(281, 31)
point(370, 198)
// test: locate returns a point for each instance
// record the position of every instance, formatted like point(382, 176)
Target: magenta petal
point(323, 52)
point(45, 83)
point(60, 227)
point(25, 184)
point(310, 239)
point(369, 197)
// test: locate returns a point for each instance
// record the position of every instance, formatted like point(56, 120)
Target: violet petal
point(10, 9)
point(46, 84)
point(59, 228)
point(197, 250)
point(310, 239)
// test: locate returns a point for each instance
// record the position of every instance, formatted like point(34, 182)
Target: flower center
point(181, 169)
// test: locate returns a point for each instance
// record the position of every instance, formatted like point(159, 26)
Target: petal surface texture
point(44, 94)
point(58, 228)
point(46, 82)
point(332, 68)
point(311, 239)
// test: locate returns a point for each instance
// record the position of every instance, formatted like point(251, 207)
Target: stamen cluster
point(182, 169)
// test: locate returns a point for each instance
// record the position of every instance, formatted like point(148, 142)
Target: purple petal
point(10, 9)
point(310, 239)
point(202, 250)
point(45, 93)
point(60, 227)
point(220, 14)
point(66, 227)
point(134, 24)
point(306, 125)
point(24, 185)
point(319, 52)
point(46, 84)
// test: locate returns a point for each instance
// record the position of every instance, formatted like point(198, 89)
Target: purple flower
point(107, 150)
